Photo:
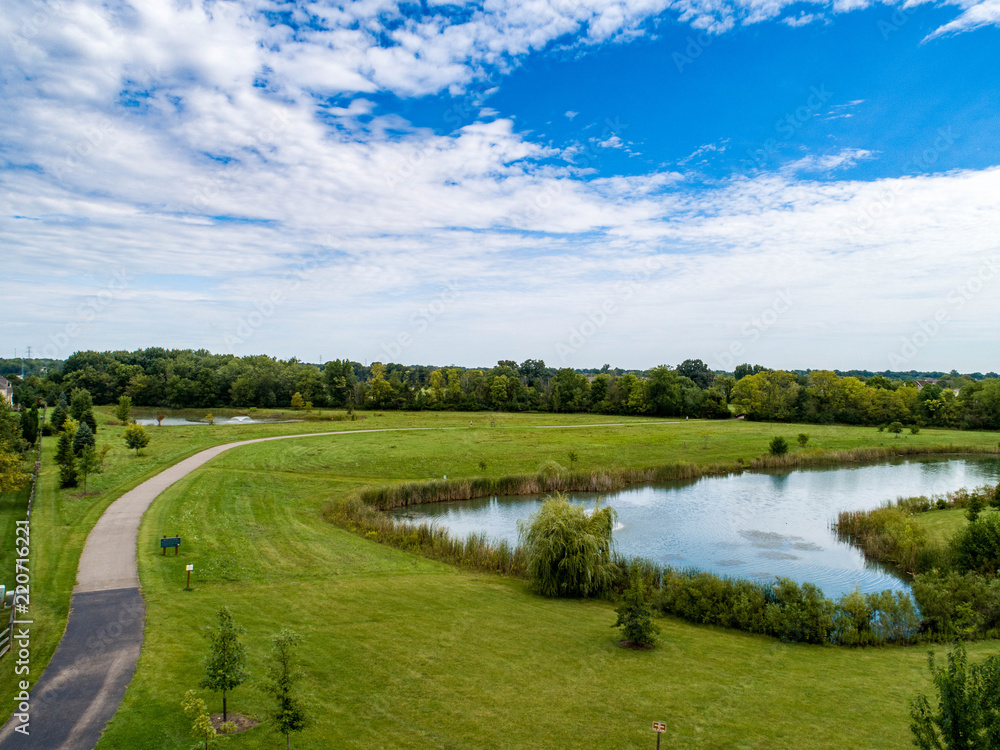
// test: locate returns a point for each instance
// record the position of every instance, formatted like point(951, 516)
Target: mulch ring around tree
point(637, 646)
point(243, 723)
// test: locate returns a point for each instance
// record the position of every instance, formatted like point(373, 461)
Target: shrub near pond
point(778, 446)
point(958, 605)
point(569, 550)
point(787, 610)
point(635, 615)
point(976, 548)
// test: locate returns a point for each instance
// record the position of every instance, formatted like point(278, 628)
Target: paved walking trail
point(85, 681)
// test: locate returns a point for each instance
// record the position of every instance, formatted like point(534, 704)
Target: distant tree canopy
point(157, 378)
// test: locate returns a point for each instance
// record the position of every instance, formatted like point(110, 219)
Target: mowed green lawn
point(62, 519)
point(400, 651)
point(941, 525)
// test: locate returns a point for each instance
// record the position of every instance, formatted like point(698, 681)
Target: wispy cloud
point(985, 13)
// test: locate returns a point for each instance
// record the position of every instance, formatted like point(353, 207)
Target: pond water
point(182, 422)
point(755, 525)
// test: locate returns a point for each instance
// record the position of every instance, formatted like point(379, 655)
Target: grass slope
point(941, 525)
point(404, 652)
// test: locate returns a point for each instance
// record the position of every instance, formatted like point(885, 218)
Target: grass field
point(401, 651)
point(941, 525)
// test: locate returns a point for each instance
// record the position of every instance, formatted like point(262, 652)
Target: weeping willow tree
point(569, 549)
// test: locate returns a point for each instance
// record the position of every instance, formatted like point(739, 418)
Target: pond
point(755, 525)
point(182, 422)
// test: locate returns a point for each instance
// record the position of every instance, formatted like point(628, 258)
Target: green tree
point(895, 427)
point(778, 446)
point(81, 408)
point(59, 416)
point(12, 474)
point(135, 437)
point(123, 412)
point(976, 548)
point(340, 382)
point(769, 394)
point(84, 438)
point(297, 401)
point(64, 447)
point(29, 426)
point(67, 472)
point(635, 615)
point(89, 462)
point(967, 711)
point(288, 712)
point(697, 371)
point(454, 385)
point(803, 439)
point(745, 369)
point(568, 549)
point(498, 391)
point(975, 505)
point(226, 664)
point(80, 404)
point(380, 391)
point(201, 723)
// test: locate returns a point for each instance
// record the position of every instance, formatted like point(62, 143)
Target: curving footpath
point(85, 681)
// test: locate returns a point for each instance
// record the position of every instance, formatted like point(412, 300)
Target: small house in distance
point(7, 391)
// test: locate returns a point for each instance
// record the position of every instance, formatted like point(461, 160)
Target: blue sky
point(795, 184)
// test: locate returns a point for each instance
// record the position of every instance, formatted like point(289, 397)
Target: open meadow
point(402, 651)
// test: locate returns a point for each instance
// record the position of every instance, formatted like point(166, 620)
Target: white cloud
point(829, 162)
point(985, 13)
point(215, 193)
point(570, 114)
point(803, 19)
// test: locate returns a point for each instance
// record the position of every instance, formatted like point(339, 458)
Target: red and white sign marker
point(659, 726)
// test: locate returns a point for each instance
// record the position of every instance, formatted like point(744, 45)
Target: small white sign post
point(189, 569)
point(659, 727)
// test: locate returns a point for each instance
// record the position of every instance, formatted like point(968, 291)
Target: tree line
point(182, 379)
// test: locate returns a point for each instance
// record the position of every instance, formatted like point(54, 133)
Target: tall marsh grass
point(888, 534)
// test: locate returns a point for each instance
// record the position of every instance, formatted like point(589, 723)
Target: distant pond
point(182, 422)
point(754, 525)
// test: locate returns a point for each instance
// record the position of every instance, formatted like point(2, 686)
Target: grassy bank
point(403, 651)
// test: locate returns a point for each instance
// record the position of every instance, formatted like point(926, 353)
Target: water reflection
point(755, 525)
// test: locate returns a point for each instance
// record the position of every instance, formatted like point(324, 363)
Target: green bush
point(803, 439)
point(975, 505)
point(635, 615)
point(67, 473)
point(895, 427)
point(83, 438)
point(977, 547)
point(568, 549)
point(966, 713)
point(787, 610)
point(957, 605)
point(853, 621)
point(778, 446)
